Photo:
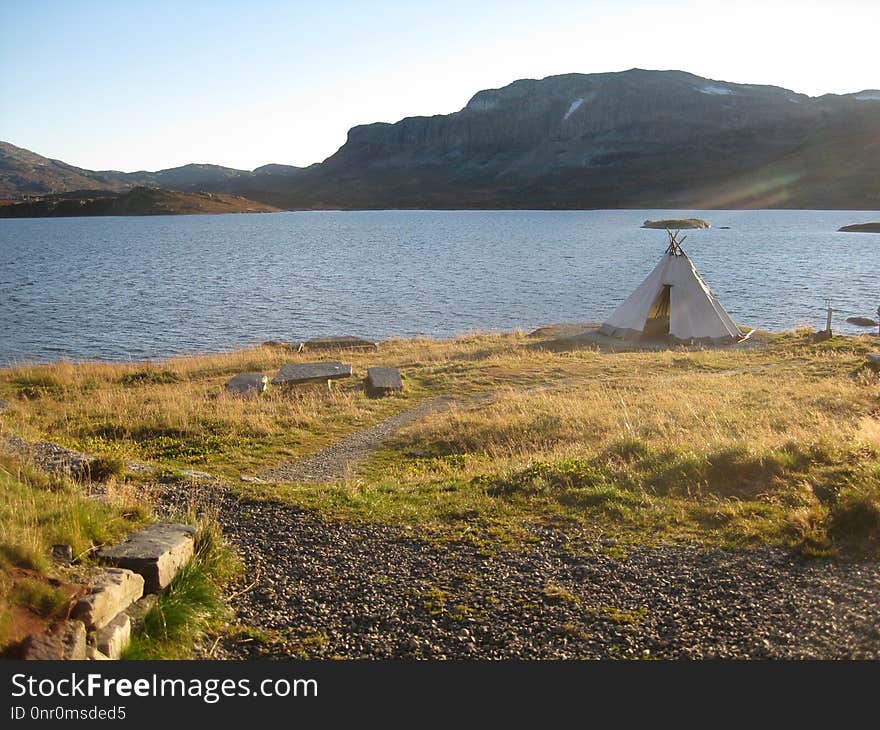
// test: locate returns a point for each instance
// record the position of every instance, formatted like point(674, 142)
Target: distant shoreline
point(561, 332)
point(140, 201)
point(49, 208)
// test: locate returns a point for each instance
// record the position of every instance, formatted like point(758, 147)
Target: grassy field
point(775, 443)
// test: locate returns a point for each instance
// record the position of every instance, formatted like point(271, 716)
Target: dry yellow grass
point(775, 442)
point(177, 413)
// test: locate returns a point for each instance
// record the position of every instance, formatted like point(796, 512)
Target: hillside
point(634, 139)
point(24, 174)
point(137, 201)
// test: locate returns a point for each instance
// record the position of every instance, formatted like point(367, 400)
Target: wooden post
point(830, 313)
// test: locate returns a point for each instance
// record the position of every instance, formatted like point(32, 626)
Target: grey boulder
point(247, 384)
point(861, 321)
point(383, 381)
point(68, 641)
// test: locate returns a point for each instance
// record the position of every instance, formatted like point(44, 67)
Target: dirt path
point(339, 460)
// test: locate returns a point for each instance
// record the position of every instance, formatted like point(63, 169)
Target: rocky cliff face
point(630, 139)
point(578, 121)
point(637, 138)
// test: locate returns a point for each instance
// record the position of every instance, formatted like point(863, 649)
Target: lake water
point(143, 287)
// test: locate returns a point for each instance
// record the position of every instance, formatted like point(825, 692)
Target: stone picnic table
point(343, 342)
point(311, 372)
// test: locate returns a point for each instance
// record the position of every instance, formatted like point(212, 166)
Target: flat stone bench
point(383, 381)
point(247, 384)
point(311, 372)
point(156, 553)
point(345, 342)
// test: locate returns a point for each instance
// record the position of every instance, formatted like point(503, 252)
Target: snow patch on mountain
point(575, 105)
point(715, 90)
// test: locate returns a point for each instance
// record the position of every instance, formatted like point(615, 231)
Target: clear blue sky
point(133, 85)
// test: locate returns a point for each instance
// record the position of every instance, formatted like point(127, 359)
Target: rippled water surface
point(136, 287)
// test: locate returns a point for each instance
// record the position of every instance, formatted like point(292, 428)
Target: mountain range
point(631, 139)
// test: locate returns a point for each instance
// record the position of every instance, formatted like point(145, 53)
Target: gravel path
point(326, 589)
point(338, 461)
point(46, 455)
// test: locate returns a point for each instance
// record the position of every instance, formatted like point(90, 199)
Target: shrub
point(31, 387)
point(628, 449)
point(149, 377)
point(544, 476)
point(854, 520)
point(672, 471)
point(105, 468)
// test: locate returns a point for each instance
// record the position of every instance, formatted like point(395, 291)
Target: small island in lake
point(861, 228)
point(677, 223)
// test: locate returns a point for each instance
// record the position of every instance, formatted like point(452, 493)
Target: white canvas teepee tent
point(674, 303)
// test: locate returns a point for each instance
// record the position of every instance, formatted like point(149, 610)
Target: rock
point(67, 641)
point(252, 480)
point(862, 321)
point(4, 404)
point(112, 591)
point(311, 372)
point(135, 467)
point(278, 343)
point(95, 654)
point(140, 608)
point(113, 639)
point(62, 554)
point(861, 228)
point(194, 474)
point(156, 553)
point(874, 359)
point(677, 223)
point(247, 384)
point(383, 381)
point(344, 342)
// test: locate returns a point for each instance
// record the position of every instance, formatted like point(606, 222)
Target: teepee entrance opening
point(657, 323)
